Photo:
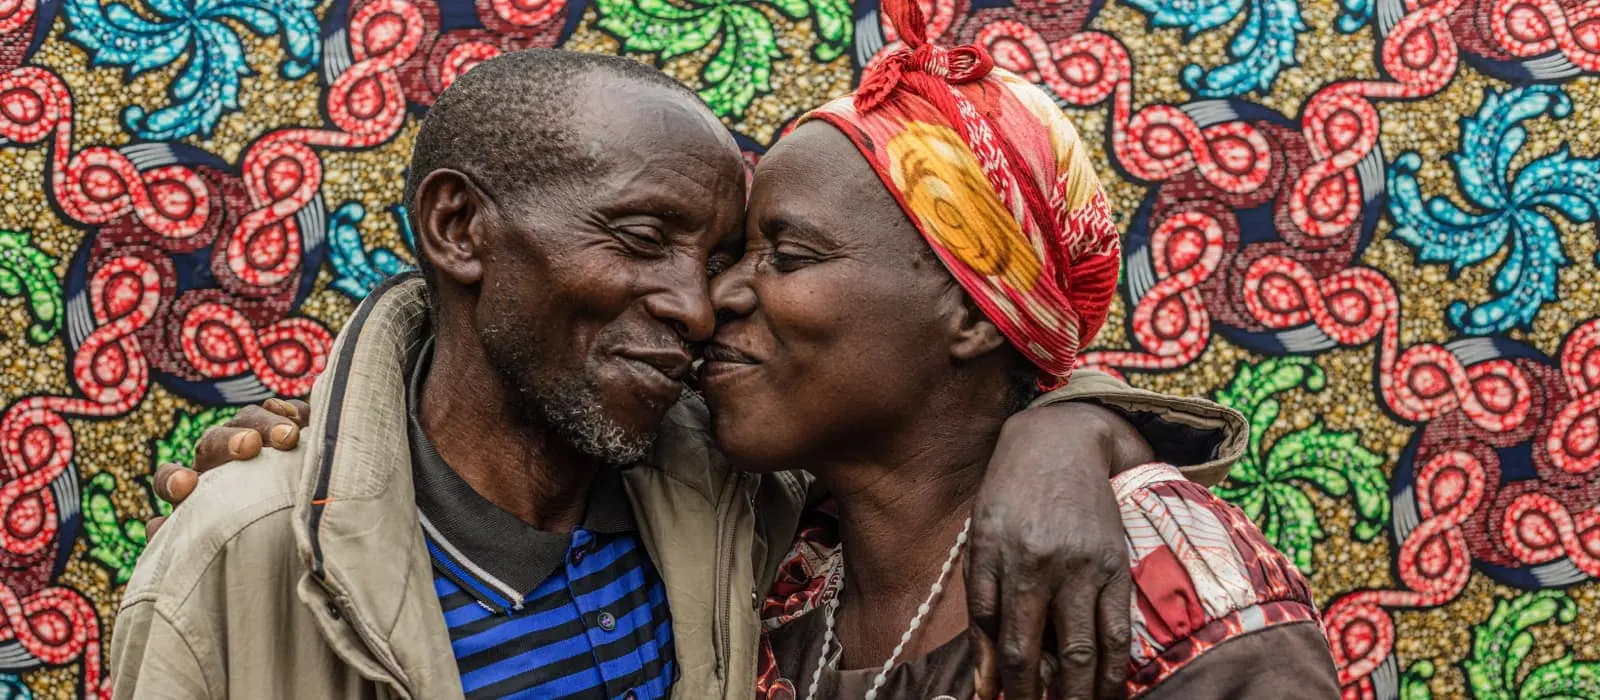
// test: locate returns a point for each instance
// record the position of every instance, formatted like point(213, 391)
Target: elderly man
point(504, 490)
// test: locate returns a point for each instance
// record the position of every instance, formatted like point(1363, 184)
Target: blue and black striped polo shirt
point(535, 614)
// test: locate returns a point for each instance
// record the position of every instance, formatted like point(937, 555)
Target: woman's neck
point(898, 519)
point(894, 534)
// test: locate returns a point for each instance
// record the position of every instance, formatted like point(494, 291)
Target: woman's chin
point(748, 445)
point(733, 408)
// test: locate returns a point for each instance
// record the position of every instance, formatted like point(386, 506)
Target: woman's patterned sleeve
point(1203, 574)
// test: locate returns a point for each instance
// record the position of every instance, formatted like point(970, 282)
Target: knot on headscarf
point(954, 66)
point(998, 183)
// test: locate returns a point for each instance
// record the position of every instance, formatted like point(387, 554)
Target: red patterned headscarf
point(997, 181)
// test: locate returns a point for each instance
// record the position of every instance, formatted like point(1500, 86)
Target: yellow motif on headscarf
point(953, 203)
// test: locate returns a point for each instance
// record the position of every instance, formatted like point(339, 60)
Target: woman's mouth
point(717, 352)
point(723, 362)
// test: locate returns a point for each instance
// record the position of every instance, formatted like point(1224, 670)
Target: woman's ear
point(450, 218)
point(972, 335)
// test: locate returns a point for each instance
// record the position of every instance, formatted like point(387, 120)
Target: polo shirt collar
point(500, 550)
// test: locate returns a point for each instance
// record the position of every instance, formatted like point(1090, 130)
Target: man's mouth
point(659, 374)
point(675, 363)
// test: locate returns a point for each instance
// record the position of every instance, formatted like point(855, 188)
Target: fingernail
point(280, 407)
point(181, 484)
point(236, 444)
point(280, 434)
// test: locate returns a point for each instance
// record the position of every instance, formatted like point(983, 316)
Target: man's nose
point(686, 307)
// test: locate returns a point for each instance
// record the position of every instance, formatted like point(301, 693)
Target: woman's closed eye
point(788, 258)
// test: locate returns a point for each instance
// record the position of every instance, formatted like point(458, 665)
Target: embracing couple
point(630, 434)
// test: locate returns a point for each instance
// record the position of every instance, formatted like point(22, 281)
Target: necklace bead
point(830, 612)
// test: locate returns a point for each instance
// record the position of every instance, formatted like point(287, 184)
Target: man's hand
point(1048, 550)
point(276, 422)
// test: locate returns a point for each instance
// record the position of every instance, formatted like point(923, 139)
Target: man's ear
point(972, 335)
point(452, 215)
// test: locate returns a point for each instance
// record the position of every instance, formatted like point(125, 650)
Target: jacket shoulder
point(240, 510)
point(1202, 438)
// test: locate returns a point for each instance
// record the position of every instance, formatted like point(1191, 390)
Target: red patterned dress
point(1216, 611)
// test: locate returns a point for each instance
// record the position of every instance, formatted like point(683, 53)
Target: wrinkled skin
point(580, 294)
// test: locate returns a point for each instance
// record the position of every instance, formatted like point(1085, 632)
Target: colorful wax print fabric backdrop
point(1370, 225)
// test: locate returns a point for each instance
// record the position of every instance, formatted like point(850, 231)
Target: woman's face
point(829, 326)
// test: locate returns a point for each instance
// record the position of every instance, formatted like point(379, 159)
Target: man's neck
point(471, 417)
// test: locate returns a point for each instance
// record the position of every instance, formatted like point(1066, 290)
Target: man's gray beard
point(573, 410)
point(570, 406)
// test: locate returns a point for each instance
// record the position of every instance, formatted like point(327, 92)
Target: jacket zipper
point(724, 585)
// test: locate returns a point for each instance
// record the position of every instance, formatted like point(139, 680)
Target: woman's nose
point(732, 296)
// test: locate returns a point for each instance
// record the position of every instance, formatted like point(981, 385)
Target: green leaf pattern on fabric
point(1269, 484)
point(27, 271)
point(1503, 643)
point(739, 33)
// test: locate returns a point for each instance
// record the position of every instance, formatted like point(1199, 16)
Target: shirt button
point(607, 621)
point(577, 556)
point(630, 695)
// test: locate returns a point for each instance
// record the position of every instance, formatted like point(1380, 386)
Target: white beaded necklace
point(916, 621)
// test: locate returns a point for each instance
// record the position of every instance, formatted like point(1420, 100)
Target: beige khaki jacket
point(304, 573)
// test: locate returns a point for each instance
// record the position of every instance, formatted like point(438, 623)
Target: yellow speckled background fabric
point(1370, 225)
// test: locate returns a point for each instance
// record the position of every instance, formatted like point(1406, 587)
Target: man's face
point(592, 294)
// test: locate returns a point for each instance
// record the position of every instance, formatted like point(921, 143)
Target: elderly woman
point(881, 345)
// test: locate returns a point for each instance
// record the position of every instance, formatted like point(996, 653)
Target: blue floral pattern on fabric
point(1514, 210)
point(202, 34)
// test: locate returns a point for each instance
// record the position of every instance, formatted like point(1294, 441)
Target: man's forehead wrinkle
point(654, 129)
point(687, 174)
point(678, 177)
point(654, 190)
point(660, 151)
point(622, 108)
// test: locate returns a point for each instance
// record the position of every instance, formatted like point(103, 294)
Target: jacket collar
point(356, 526)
